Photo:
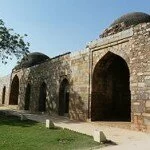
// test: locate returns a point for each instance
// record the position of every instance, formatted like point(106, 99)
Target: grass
point(30, 135)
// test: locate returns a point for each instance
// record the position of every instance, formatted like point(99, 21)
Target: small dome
point(133, 18)
point(32, 59)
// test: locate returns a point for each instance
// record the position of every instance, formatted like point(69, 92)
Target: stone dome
point(133, 18)
point(32, 59)
point(125, 22)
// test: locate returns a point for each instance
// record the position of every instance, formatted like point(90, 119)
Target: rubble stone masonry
point(132, 45)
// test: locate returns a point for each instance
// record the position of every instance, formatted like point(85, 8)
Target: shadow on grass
point(11, 120)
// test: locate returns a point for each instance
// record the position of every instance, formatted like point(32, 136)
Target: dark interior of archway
point(14, 91)
point(3, 94)
point(64, 98)
point(42, 98)
point(110, 90)
point(27, 97)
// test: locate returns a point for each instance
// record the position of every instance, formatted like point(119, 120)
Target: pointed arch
point(42, 97)
point(64, 97)
point(3, 95)
point(111, 100)
point(27, 97)
point(13, 100)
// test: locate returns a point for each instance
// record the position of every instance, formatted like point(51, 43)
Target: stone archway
point(27, 97)
point(111, 100)
point(13, 100)
point(64, 98)
point(42, 97)
point(3, 95)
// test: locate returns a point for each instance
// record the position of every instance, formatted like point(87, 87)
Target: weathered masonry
point(109, 80)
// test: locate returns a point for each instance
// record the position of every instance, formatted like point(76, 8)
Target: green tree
point(11, 44)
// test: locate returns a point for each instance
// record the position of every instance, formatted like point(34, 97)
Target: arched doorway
point(64, 98)
point(111, 99)
point(27, 97)
point(42, 97)
point(13, 100)
point(3, 95)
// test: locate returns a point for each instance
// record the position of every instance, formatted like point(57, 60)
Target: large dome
point(32, 59)
point(125, 22)
point(133, 18)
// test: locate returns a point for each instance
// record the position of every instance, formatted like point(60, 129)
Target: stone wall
point(131, 45)
point(140, 76)
point(50, 72)
point(4, 82)
point(80, 84)
point(72, 67)
point(115, 45)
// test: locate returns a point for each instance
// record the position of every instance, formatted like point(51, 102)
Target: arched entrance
point(3, 95)
point(13, 100)
point(111, 99)
point(27, 97)
point(64, 98)
point(42, 97)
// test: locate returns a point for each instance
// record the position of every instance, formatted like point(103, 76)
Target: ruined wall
point(50, 72)
point(132, 45)
point(73, 67)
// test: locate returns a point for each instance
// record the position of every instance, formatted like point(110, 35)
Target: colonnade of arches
point(110, 100)
point(63, 96)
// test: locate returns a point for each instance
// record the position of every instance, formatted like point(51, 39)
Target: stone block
point(147, 121)
point(136, 103)
point(140, 84)
point(49, 124)
point(147, 104)
point(23, 117)
point(138, 108)
point(147, 109)
point(146, 114)
point(148, 128)
point(148, 82)
point(99, 136)
point(135, 119)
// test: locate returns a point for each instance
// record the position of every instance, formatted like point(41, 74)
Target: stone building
point(109, 80)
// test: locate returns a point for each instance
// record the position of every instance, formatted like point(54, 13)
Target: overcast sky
point(58, 26)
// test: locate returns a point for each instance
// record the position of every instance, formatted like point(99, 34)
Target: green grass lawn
point(30, 135)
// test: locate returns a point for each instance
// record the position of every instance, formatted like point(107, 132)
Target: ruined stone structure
point(109, 80)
